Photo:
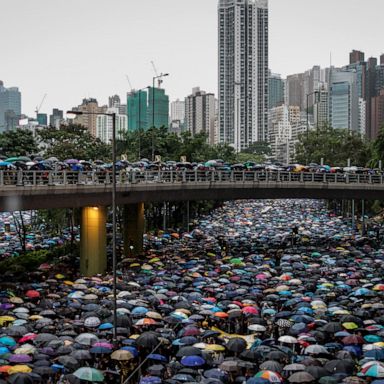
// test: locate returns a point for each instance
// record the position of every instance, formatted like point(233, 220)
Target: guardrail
point(62, 178)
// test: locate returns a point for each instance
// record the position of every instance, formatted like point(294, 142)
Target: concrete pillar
point(133, 229)
point(93, 240)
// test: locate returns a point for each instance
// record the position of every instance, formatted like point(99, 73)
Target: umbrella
point(272, 377)
point(20, 378)
point(192, 361)
point(122, 355)
point(301, 377)
point(86, 339)
point(148, 340)
point(89, 374)
point(236, 344)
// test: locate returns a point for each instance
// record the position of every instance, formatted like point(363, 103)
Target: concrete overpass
point(91, 191)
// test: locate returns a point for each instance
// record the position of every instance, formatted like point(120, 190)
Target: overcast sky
point(71, 49)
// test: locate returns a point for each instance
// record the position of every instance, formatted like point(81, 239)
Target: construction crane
point(39, 107)
point(159, 77)
point(129, 82)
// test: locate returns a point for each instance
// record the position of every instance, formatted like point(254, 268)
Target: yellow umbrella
point(16, 300)
point(215, 348)
point(154, 260)
point(26, 349)
point(67, 282)
point(20, 368)
point(350, 325)
point(5, 319)
point(59, 276)
point(135, 265)
point(134, 337)
point(35, 317)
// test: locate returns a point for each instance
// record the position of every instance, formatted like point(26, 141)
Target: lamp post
point(153, 109)
point(114, 261)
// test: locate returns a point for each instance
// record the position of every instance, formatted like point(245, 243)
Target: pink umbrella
point(103, 344)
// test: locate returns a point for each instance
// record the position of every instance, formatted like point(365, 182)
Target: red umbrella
point(28, 338)
point(251, 310)
point(32, 294)
point(353, 339)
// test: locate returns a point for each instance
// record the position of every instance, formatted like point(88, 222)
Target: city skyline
point(83, 54)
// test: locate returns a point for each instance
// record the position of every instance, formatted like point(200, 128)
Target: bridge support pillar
point(133, 229)
point(93, 240)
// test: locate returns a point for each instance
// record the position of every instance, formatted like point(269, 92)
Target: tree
point(334, 146)
point(261, 148)
point(378, 148)
point(18, 142)
point(73, 142)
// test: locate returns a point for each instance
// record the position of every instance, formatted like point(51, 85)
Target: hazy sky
point(71, 49)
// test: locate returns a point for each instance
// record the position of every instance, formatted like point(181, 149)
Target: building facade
point(377, 113)
point(56, 118)
point(137, 110)
point(158, 108)
point(343, 100)
point(280, 132)
point(88, 120)
point(243, 71)
point(104, 125)
point(178, 111)
point(276, 86)
point(10, 107)
point(200, 113)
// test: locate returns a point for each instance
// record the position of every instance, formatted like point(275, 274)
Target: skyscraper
point(56, 118)
point(344, 100)
point(178, 111)
point(276, 90)
point(243, 71)
point(158, 108)
point(200, 113)
point(137, 110)
point(10, 107)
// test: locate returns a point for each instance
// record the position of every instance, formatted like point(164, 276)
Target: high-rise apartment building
point(276, 86)
point(321, 108)
point(10, 107)
point(280, 122)
point(243, 71)
point(158, 108)
point(42, 119)
point(178, 111)
point(200, 113)
point(137, 110)
point(356, 57)
point(104, 125)
point(88, 119)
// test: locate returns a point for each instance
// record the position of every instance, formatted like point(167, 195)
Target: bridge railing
point(57, 178)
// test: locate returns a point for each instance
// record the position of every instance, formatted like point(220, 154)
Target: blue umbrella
point(100, 350)
point(106, 326)
point(139, 311)
point(158, 357)
point(3, 350)
point(377, 354)
point(192, 361)
point(133, 350)
point(151, 380)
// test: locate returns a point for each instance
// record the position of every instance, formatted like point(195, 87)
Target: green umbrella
point(235, 261)
point(11, 159)
point(328, 380)
point(89, 374)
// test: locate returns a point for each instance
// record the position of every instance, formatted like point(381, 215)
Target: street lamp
point(153, 109)
point(114, 261)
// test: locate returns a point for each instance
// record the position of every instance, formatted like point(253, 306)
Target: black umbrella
point(69, 362)
point(340, 366)
point(236, 344)
point(148, 339)
point(20, 378)
point(317, 372)
point(188, 351)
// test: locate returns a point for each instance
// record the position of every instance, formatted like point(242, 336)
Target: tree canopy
point(140, 144)
point(73, 141)
point(19, 142)
point(334, 146)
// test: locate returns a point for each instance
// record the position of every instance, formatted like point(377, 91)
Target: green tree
point(18, 142)
point(73, 141)
point(335, 146)
point(378, 149)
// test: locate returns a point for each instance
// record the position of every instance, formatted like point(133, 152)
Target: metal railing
point(124, 177)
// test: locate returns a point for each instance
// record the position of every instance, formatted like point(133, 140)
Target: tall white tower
point(243, 72)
